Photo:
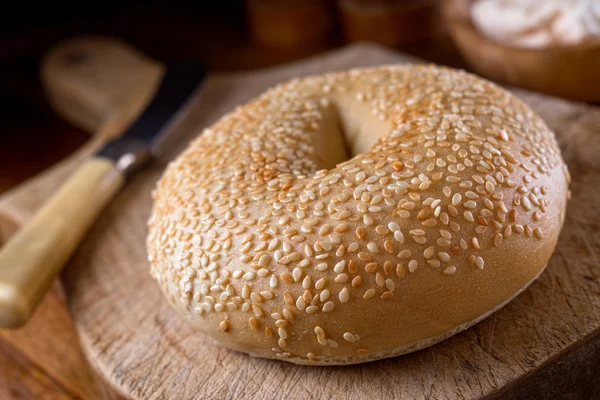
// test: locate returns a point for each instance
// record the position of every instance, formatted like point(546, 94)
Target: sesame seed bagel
point(358, 215)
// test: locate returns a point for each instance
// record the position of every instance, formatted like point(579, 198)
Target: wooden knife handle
point(33, 256)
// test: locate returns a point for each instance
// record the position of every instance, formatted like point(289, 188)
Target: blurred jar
point(291, 23)
point(390, 22)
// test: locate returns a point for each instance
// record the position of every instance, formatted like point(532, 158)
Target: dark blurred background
point(227, 35)
point(32, 136)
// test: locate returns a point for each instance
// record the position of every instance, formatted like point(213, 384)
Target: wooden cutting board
point(545, 342)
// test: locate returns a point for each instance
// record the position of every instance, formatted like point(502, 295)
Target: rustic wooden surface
point(143, 348)
point(42, 360)
point(35, 369)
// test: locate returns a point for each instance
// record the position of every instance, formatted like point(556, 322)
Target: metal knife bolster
point(145, 137)
point(127, 153)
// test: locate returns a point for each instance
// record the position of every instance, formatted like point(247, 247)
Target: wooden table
point(43, 359)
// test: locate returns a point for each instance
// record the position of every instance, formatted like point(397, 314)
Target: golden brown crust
point(451, 203)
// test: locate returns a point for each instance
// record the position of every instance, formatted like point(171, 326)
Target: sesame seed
point(266, 294)
point(470, 204)
point(382, 230)
point(399, 236)
point(360, 232)
point(412, 265)
point(320, 284)
point(297, 274)
point(352, 267)
point(386, 295)
point(340, 266)
point(293, 257)
point(306, 283)
point(388, 245)
point(400, 270)
point(371, 267)
point(282, 334)
point(341, 228)
point(253, 322)
point(428, 253)
point(403, 214)
point(456, 199)
point(344, 295)
point(445, 257)
point(393, 226)
point(312, 309)
point(319, 331)
point(257, 311)
point(498, 239)
point(372, 247)
point(300, 303)
point(526, 203)
point(451, 270)
point(443, 242)
point(349, 337)
point(379, 280)
point(429, 222)
point(321, 267)
point(390, 285)
point(404, 254)
point(256, 297)
point(224, 325)
point(479, 262)
point(352, 247)
point(369, 293)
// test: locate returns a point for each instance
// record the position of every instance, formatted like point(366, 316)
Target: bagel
point(357, 215)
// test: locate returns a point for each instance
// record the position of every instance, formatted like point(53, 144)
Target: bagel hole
point(348, 128)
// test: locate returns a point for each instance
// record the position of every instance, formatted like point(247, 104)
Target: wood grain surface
point(42, 360)
point(132, 336)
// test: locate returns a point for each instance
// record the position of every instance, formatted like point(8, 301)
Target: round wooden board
point(131, 335)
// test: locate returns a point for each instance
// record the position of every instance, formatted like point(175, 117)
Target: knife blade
point(35, 254)
point(148, 135)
